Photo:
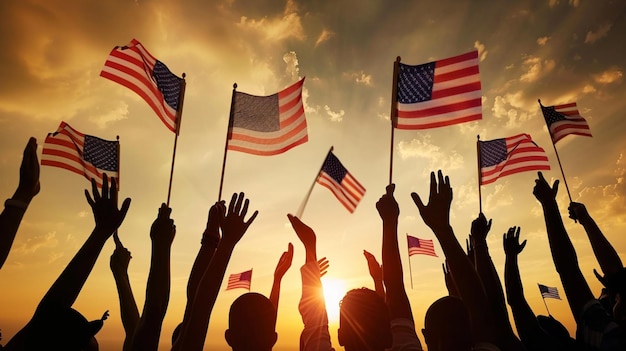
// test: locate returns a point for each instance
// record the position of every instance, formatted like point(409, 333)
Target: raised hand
point(387, 206)
point(120, 260)
point(29, 173)
point(163, 229)
point(578, 212)
point(480, 228)
point(436, 213)
point(303, 231)
point(376, 271)
point(469, 244)
point(233, 223)
point(510, 239)
point(323, 265)
point(211, 234)
point(104, 207)
point(542, 190)
point(105, 316)
point(284, 262)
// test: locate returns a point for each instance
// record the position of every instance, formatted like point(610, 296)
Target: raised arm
point(563, 253)
point(148, 330)
point(603, 250)
point(281, 268)
point(436, 214)
point(15, 207)
point(491, 282)
point(449, 279)
point(108, 218)
point(376, 272)
point(234, 226)
point(128, 307)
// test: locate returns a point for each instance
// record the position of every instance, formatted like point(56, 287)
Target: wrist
point(16, 204)
point(21, 195)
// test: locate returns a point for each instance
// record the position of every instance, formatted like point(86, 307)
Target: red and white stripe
point(349, 192)
point(574, 123)
point(523, 155)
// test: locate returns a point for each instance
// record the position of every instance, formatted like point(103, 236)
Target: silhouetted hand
point(211, 234)
point(578, 212)
point(104, 207)
point(480, 229)
point(233, 224)
point(284, 262)
point(510, 239)
point(376, 271)
point(387, 206)
point(163, 229)
point(105, 315)
point(542, 190)
point(323, 264)
point(436, 213)
point(469, 244)
point(303, 231)
point(120, 260)
point(29, 173)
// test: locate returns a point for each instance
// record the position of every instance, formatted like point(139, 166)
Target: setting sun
point(334, 290)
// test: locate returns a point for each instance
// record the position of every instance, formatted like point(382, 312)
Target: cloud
point(293, 67)
point(600, 33)
point(360, 77)
point(611, 75)
point(423, 148)
point(288, 25)
point(334, 116)
point(543, 40)
point(116, 114)
point(324, 36)
point(573, 3)
point(34, 243)
point(482, 53)
point(589, 89)
point(553, 3)
point(512, 108)
point(536, 68)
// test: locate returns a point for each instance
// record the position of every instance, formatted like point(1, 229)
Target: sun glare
point(334, 290)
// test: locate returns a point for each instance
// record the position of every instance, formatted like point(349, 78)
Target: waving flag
point(82, 154)
point(549, 292)
point(506, 156)
point(340, 182)
point(439, 93)
point(563, 120)
point(268, 125)
point(240, 280)
point(419, 246)
point(135, 68)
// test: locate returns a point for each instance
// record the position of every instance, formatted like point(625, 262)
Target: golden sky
point(557, 50)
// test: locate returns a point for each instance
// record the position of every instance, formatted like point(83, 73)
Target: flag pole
point(557, 156)
point(480, 177)
point(308, 194)
point(179, 118)
point(394, 113)
point(228, 131)
point(410, 270)
point(116, 237)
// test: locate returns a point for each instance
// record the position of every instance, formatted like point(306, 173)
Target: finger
point(94, 190)
point(433, 183)
point(105, 186)
point(489, 225)
point(114, 190)
point(522, 245)
point(124, 209)
point(89, 199)
point(231, 205)
point(252, 218)
point(540, 176)
point(555, 187)
point(418, 201)
point(116, 239)
point(517, 232)
point(244, 210)
point(239, 202)
point(390, 188)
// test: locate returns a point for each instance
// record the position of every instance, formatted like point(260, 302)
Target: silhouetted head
point(615, 284)
point(364, 322)
point(176, 332)
point(61, 328)
point(447, 325)
point(251, 323)
point(561, 339)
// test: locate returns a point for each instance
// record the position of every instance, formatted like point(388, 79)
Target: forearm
point(397, 300)
point(10, 220)
point(605, 253)
point(491, 282)
point(525, 320)
point(205, 254)
point(128, 307)
point(315, 335)
point(275, 293)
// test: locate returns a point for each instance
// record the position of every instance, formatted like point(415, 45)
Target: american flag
point(135, 68)
point(80, 153)
point(419, 246)
point(548, 292)
point(340, 182)
point(268, 125)
point(564, 120)
point(240, 280)
point(506, 156)
point(439, 93)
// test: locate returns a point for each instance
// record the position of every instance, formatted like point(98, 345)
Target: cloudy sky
point(557, 50)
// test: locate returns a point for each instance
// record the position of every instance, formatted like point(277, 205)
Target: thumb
point(418, 201)
point(555, 187)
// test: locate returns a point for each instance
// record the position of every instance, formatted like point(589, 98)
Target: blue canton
point(492, 152)
point(258, 113)
point(334, 168)
point(551, 116)
point(168, 83)
point(100, 153)
point(415, 83)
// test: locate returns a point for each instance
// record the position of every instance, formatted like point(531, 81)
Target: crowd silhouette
point(473, 316)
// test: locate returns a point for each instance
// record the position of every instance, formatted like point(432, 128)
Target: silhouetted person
point(251, 323)
point(45, 331)
point(15, 207)
point(447, 326)
point(128, 307)
point(364, 322)
point(376, 272)
point(284, 262)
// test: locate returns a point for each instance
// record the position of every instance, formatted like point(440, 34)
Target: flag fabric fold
point(439, 93)
point(80, 153)
point(419, 246)
point(240, 280)
point(340, 182)
point(563, 120)
point(135, 68)
point(268, 125)
point(549, 292)
point(506, 156)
